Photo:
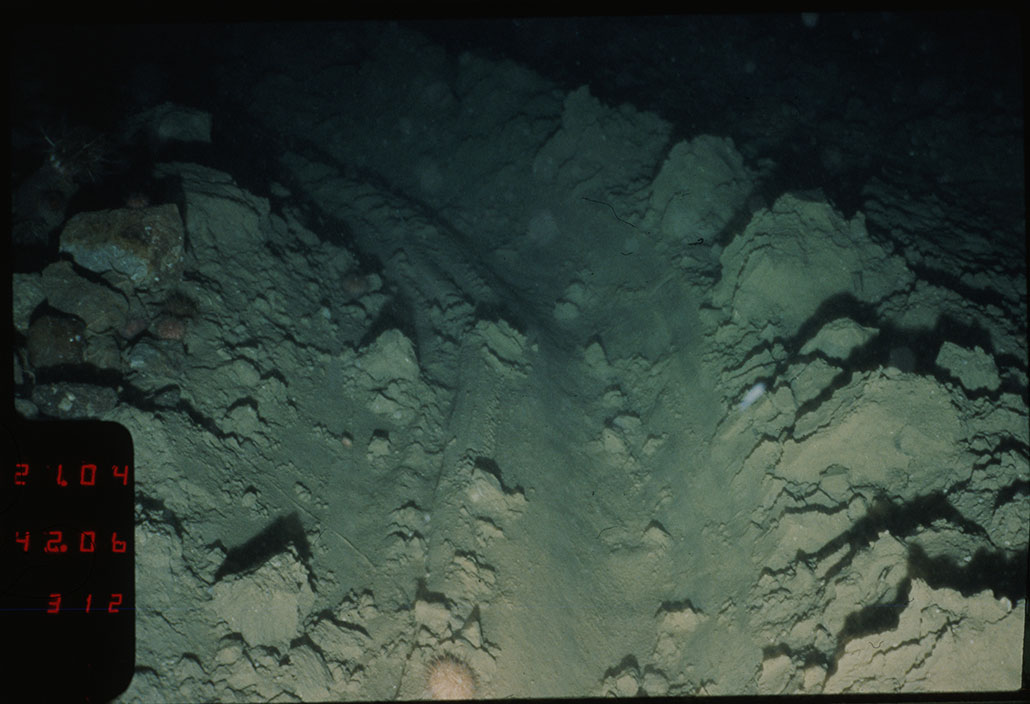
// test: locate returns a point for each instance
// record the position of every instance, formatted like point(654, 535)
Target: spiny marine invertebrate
point(449, 677)
point(78, 154)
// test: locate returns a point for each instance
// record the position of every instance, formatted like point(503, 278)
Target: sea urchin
point(450, 678)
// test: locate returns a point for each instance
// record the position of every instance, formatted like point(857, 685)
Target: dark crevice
point(273, 540)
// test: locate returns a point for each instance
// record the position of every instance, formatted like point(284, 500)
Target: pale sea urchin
point(450, 678)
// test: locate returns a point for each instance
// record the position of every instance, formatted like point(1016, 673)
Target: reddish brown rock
point(145, 244)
